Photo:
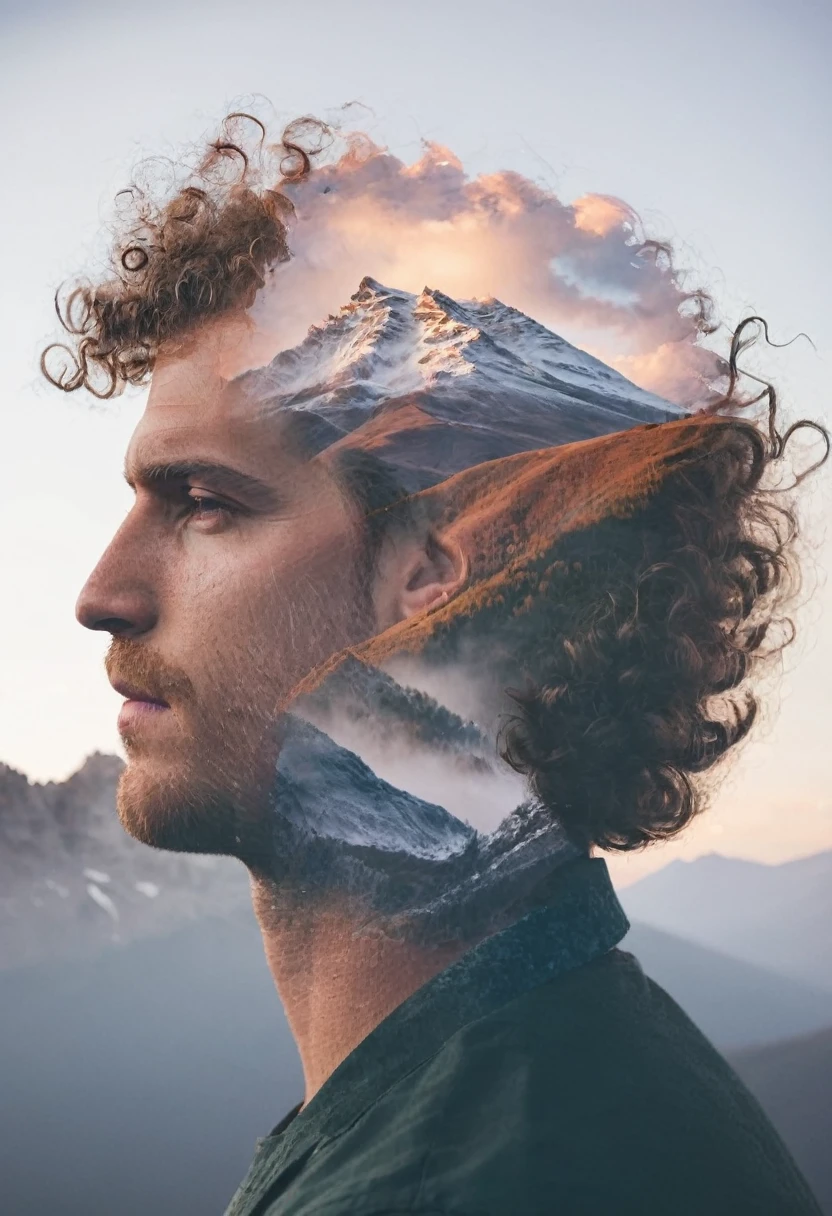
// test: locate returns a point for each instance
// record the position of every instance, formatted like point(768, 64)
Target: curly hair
point(199, 254)
point(638, 636)
point(205, 248)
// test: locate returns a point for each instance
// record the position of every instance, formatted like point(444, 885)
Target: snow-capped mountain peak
point(386, 343)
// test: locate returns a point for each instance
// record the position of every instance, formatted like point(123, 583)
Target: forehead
point(198, 405)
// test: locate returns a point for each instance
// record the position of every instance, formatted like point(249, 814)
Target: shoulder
point(601, 1090)
point(594, 1093)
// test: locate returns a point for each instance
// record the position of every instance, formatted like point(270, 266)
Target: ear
point(416, 573)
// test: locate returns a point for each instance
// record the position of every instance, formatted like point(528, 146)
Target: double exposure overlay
point(420, 607)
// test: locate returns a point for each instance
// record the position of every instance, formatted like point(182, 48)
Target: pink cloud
point(575, 267)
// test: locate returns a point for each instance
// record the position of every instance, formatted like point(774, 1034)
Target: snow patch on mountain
point(72, 882)
point(387, 343)
point(326, 791)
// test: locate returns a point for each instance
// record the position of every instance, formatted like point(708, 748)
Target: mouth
point(139, 707)
point(136, 696)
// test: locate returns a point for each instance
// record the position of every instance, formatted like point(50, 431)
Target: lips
point(132, 693)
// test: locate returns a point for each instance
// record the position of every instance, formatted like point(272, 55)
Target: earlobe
point(428, 596)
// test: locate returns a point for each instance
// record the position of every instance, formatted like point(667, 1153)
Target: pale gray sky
point(712, 120)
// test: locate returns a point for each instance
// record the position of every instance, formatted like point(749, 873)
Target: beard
point(198, 807)
point(205, 782)
point(207, 786)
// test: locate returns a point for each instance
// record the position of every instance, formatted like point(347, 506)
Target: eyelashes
point(184, 504)
point(210, 512)
point(205, 502)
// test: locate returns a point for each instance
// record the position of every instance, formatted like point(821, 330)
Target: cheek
point(313, 600)
point(273, 614)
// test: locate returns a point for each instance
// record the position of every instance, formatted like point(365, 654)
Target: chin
point(174, 811)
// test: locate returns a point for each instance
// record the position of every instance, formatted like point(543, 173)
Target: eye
point(202, 508)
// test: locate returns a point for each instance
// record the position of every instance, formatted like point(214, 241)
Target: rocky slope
point(72, 882)
point(386, 343)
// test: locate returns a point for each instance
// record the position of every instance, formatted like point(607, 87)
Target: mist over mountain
point(397, 713)
point(776, 916)
point(412, 740)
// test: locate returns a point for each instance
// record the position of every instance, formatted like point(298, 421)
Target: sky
point(710, 120)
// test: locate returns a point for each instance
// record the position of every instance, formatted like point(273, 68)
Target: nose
point(117, 597)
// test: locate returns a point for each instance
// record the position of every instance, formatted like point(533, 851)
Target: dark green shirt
point(542, 1074)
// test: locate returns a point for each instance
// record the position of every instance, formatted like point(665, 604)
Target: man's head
point(242, 565)
point(250, 558)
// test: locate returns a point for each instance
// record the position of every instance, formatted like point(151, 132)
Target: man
point(472, 1042)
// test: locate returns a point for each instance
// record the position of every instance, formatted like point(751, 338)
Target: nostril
point(121, 611)
point(93, 618)
point(111, 624)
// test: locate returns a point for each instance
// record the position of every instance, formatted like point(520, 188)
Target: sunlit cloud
point(575, 267)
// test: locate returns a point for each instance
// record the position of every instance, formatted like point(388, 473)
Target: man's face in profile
point(234, 574)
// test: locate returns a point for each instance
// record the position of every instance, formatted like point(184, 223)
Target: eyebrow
point(222, 477)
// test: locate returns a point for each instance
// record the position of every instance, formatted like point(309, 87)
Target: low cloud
point(575, 266)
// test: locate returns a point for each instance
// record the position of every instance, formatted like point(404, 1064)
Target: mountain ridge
point(736, 1004)
point(770, 915)
point(386, 343)
point(793, 1081)
point(487, 380)
point(73, 882)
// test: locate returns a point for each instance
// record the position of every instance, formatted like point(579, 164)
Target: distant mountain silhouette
point(137, 1081)
point(73, 883)
point(734, 1003)
point(793, 1082)
point(777, 917)
point(174, 1050)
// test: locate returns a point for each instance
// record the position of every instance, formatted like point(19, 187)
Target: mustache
point(139, 664)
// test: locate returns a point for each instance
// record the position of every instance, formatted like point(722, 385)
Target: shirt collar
point(580, 919)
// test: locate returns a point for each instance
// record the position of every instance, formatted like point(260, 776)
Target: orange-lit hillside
point(510, 516)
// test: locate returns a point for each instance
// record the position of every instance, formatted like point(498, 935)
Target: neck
point(336, 984)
